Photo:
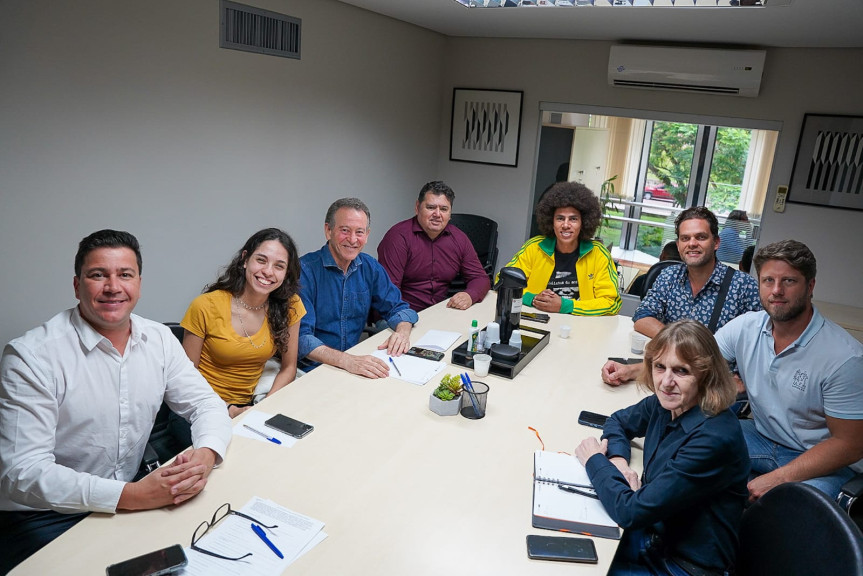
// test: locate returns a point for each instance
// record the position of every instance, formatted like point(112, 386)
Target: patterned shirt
point(670, 299)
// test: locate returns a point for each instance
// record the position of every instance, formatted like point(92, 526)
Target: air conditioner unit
point(700, 70)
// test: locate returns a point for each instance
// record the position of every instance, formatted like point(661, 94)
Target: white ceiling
point(805, 23)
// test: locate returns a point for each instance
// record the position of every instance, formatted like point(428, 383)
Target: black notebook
point(556, 509)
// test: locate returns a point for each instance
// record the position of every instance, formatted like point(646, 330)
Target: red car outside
point(657, 192)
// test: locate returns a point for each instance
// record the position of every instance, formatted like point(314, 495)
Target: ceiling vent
point(698, 70)
point(254, 30)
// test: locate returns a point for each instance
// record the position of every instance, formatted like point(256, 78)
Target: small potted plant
point(446, 398)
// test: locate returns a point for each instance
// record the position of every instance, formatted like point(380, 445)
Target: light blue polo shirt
point(820, 373)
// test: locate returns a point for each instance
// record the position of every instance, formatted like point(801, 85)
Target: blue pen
point(260, 532)
point(393, 362)
point(259, 433)
point(465, 379)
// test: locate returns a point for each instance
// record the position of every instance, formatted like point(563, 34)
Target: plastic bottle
point(474, 337)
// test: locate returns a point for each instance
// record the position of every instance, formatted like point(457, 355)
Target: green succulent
point(449, 388)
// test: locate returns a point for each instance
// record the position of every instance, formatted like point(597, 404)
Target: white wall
point(128, 115)
point(796, 81)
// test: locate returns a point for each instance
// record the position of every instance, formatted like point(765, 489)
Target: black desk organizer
point(532, 341)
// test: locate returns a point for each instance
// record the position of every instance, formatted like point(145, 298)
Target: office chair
point(482, 233)
point(653, 273)
point(848, 499)
point(628, 304)
point(795, 529)
point(162, 444)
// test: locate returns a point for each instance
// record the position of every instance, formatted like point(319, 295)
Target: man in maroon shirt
point(424, 254)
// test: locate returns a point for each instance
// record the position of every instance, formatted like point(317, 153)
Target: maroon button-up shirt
point(423, 268)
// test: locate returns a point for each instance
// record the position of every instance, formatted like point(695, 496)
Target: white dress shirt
point(75, 414)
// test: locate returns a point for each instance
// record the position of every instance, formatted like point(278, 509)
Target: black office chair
point(794, 530)
point(163, 443)
point(849, 499)
point(653, 273)
point(482, 233)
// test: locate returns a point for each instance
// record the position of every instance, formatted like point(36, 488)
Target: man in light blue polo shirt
point(804, 376)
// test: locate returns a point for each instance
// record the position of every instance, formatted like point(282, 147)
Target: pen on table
point(262, 535)
point(393, 362)
point(572, 490)
point(259, 433)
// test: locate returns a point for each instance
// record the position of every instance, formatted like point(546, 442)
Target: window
point(657, 164)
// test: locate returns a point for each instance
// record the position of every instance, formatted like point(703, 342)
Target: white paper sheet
point(294, 536)
point(439, 340)
point(414, 370)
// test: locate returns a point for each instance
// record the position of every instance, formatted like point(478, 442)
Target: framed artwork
point(828, 167)
point(486, 126)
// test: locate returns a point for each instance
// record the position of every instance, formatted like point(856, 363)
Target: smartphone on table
point(165, 561)
point(592, 419)
point(289, 426)
point(561, 549)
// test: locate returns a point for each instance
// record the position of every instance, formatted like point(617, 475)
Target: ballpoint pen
point(465, 379)
point(393, 362)
point(259, 433)
point(263, 536)
point(572, 490)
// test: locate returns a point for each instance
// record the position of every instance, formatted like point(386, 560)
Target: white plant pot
point(444, 407)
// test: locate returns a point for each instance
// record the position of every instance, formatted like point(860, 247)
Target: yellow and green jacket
point(597, 276)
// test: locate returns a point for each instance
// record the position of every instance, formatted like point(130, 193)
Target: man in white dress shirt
point(78, 398)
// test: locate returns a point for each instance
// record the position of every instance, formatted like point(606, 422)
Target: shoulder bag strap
point(720, 299)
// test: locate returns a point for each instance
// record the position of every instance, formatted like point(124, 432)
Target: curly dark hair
point(233, 280)
point(569, 195)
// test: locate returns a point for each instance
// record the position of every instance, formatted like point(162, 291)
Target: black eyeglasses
point(220, 513)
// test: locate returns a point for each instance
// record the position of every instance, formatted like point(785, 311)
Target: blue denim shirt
point(337, 303)
point(670, 299)
point(694, 481)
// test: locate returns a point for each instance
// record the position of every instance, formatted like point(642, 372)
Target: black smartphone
point(289, 426)
point(425, 353)
point(561, 548)
point(592, 419)
point(626, 360)
point(165, 561)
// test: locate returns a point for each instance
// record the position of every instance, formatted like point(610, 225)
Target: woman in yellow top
point(245, 317)
point(566, 270)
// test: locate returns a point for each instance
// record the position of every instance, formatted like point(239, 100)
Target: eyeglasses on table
point(221, 513)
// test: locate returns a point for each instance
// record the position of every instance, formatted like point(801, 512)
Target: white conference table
point(400, 489)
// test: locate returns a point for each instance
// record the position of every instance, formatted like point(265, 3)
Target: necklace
point(243, 326)
point(252, 308)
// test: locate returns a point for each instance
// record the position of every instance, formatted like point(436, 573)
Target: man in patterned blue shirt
point(690, 291)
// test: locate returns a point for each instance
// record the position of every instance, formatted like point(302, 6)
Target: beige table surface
point(401, 490)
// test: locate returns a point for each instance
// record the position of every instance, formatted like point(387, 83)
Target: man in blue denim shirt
point(339, 285)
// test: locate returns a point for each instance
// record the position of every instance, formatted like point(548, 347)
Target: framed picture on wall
point(828, 168)
point(486, 126)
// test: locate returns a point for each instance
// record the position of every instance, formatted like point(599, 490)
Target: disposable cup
point(481, 364)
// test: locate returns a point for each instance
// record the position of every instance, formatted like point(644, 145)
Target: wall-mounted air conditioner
point(700, 70)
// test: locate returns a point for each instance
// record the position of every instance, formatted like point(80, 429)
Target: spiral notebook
point(556, 509)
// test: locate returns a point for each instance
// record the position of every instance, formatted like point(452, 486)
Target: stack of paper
point(410, 368)
point(233, 536)
point(439, 340)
